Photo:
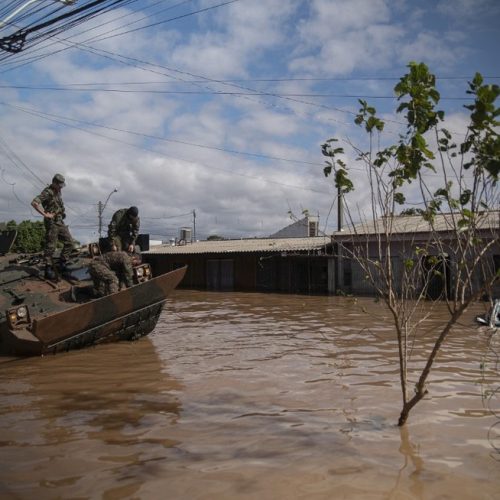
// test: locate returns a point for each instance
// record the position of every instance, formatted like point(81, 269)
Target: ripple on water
point(249, 395)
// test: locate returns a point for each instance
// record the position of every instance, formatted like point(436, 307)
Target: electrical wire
point(163, 139)
point(164, 21)
point(213, 92)
point(50, 23)
point(212, 167)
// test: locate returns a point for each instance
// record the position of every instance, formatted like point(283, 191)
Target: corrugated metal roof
point(416, 224)
point(244, 245)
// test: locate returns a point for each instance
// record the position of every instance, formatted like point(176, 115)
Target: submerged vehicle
point(40, 316)
point(492, 317)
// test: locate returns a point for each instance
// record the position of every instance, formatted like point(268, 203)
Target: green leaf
point(399, 198)
point(465, 197)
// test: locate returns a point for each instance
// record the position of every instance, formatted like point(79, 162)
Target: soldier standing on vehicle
point(112, 271)
point(124, 229)
point(50, 205)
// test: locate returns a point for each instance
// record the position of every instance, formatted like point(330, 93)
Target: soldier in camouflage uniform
point(112, 271)
point(124, 229)
point(49, 204)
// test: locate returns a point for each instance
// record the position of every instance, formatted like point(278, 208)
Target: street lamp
point(100, 209)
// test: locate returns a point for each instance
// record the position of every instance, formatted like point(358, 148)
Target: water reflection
point(412, 467)
point(84, 418)
point(251, 396)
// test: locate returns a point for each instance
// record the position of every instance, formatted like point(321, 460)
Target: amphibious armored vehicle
point(40, 316)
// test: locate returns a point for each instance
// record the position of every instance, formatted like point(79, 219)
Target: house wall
point(251, 272)
point(201, 266)
point(353, 279)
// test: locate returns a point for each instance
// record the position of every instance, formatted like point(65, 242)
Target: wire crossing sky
point(215, 106)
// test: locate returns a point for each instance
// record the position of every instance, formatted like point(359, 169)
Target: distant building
point(304, 228)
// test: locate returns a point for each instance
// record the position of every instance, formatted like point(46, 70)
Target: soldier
point(112, 271)
point(123, 229)
point(49, 204)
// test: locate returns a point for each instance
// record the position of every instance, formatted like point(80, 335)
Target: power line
point(149, 136)
point(345, 79)
point(182, 16)
point(134, 62)
point(62, 121)
point(44, 25)
point(212, 167)
point(248, 93)
point(213, 92)
point(101, 37)
point(18, 162)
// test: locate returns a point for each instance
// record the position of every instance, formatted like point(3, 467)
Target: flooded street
point(257, 396)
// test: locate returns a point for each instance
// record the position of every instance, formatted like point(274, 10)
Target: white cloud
point(233, 194)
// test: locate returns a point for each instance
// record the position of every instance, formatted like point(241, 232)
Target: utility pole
point(340, 211)
point(194, 226)
point(339, 276)
point(100, 209)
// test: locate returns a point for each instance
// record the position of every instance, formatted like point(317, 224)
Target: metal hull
point(126, 315)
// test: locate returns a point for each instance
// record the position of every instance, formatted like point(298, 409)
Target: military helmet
point(133, 212)
point(59, 179)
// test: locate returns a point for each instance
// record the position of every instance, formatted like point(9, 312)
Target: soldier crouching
point(111, 272)
point(105, 280)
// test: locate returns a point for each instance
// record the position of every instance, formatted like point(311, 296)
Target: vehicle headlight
point(22, 312)
point(18, 316)
point(142, 273)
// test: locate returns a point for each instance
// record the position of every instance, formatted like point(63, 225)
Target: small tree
point(458, 202)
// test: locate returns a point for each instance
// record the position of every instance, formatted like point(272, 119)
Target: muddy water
point(251, 396)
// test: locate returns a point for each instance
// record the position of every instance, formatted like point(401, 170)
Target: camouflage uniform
point(123, 231)
point(55, 229)
point(110, 271)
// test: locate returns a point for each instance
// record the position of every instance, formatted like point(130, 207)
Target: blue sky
point(220, 107)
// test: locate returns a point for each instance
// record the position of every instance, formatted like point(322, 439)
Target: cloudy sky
point(218, 108)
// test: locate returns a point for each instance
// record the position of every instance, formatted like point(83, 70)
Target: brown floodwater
point(253, 396)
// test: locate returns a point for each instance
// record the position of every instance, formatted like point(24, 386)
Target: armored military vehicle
point(40, 316)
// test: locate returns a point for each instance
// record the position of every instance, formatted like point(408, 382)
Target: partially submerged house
point(299, 264)
point(294, 265)
point(406, 234)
